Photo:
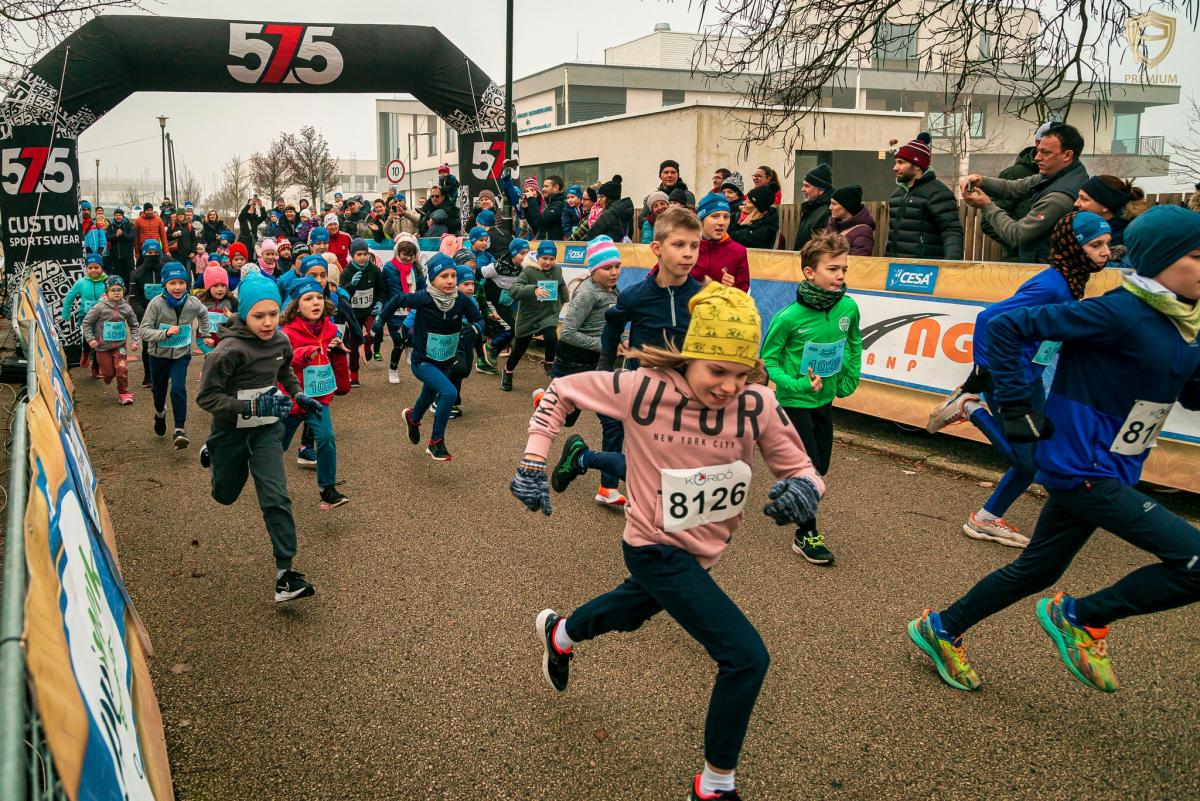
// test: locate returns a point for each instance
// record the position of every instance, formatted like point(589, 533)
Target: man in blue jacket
point(1126, 358)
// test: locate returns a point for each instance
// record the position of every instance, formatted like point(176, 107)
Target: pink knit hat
point(215, 274)
point(450, 245)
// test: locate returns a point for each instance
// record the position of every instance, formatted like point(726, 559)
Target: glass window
point(451, 139)
point(985, 45)
point(896, 42)
point(560, 109)
point(431, 125)
point(1126, 127)
point(943, 125)
point(582, 171)
point(593, 102)
point(672, 97)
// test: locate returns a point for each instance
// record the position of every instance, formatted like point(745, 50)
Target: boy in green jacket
point(813, 353)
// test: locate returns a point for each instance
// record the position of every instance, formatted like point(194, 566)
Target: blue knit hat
point(93, 258)
point(547, 248)
point(226, 235)
point(1159, 237)
point(114, 280)
point(318, 234)
point(254, 289)
point(358, 244)
point(464, 273)
point(304, 286)
point(171, 271)
point(710, 202)
point(439, 262)
point(1087, 226)
point(313, 260)
point(517, 245)
point(400, 196)
point(83, 204)
point(477, 233)
point(576, 190)
point(463, 256)
point(486, 218)
point(151, 244)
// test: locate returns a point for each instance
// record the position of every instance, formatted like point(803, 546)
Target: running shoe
point(811, 545)
point(538, 394)
point(291, 585)
point(1084, 650)
point(490, 354)
point(354, 382)
point(948, 656)
point(179, 440)
point(483, 366)
point(205, 457)
point(610, 498)
point(567, 468)
point(332, 499)
point(506, 381)
point(160, 423)
point(307, 457)
point(377, 356)
point(548, 368)
point(951, 411)
point(437, 450)
point(455, 412)
point(556, 664)
point(126, 398)
point(414, 429)
point(696, 795)
point(998, 530)
point(393, 375)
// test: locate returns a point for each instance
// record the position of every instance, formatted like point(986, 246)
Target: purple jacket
point(859, 230)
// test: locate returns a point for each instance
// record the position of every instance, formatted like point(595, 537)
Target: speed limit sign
point(395, 171)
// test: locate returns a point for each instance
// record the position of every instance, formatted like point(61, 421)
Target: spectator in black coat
point(814, 211)
point(210, 230)
point(251, 216)
point(617, 218)
point(758, 224)
point(439, 215)
point(923, 219)
point(119, 258)
point(548, 222)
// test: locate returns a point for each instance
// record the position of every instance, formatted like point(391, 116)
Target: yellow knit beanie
point(725, 326)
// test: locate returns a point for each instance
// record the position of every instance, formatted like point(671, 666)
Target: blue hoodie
point(432, 320)
point(654, 314)
point(1044, 289)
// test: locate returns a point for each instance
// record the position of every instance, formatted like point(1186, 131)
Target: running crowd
point(1072, 392)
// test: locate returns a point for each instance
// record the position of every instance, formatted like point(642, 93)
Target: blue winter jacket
point(655, 315)
point(432, 320)
point(1044, 289)
point(1117, 353)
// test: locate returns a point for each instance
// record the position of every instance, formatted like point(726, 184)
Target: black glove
point(979, 381)
point(271, 403)
point(1023, 424)
point(309, 404)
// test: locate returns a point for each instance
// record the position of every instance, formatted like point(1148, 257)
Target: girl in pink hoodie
point(692, 419)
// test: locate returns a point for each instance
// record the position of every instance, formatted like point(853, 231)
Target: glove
point(356, 278)
point(271, 403)
point(980, 380)
point(529, 486)
point(793, 501)
point(377, 310)
point(309, 404)
point(1023, 424)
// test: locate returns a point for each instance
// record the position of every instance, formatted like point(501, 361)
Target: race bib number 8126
point(699, 496)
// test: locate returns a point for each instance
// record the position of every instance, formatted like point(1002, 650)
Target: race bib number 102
point(702, 495)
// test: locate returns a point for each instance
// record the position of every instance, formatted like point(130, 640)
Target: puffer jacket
point(814, 216)
point(924, 221)
point(615, 221)
point(760, 233)
point(859, 231)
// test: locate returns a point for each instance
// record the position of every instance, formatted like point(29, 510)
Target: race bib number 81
point(1140, 430)
point(703, 495)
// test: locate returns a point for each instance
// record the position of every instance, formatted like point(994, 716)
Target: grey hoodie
point(105, 311)
point(159, 315)
point(584, 321)
point(241, 366)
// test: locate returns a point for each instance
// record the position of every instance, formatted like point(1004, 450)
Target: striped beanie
point(917, 152)
point(602, 252)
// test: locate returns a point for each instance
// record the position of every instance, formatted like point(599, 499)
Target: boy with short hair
point(106, 328)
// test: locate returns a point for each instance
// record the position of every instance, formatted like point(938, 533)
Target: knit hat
point(357, 244)
point(532, 183)
point(330, 219)
point(302, 287)
point(444, 169)
point(763, 197)
point(820, 176)
point(187, 204)
point(576, 190)
point(591, 193)
point(602, 252)
point(1044, 129)
point(725, 326)
point(268, 246)
point(449, 244)
point(547, 248)
point(477, 233)
point(917, 152)
point(318, 234)
point(405, 237)
point(1087, 226)
point(313, 260)
point(249, 268)
point(300, 249)
point(171, 271)
point(517, 245)
point(151, 244)
point(711, 202)
point(283, 242)
point(253, 290)
point(668, 163)
point(464, 273)
point(114, 280)
point(215, 274)
point(305, 214)
point(226, 235)
point(486, 193)
point(611, 189)
point(93, 258)
point(486, 218)
point(463, 256)
point(439, 262)
point(1107, 196)
point(735, 181)
point(678, 196)
point(84, 204)
point(655, 197)
point(1159, 237)
point(118, 210)
point(239, 247)
point(849, 198)
point(147, 207)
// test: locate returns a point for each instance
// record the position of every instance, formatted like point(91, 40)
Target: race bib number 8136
point(703, 495)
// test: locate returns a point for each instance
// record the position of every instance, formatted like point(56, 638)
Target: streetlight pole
point(98, 203)
point(162, 125)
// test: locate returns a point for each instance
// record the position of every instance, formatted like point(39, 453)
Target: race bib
point(151, 291)
point(1140, 430)
point(319, 380)
point(253, 422)
point(505, 298)
point(362, 299)
point(115, 331)
point(699, 496)
point(181, 340)
point(824, 358)
point(215, 319)
point(1046, 353)
point(441, 347)
point(341, 329)
point(551, 287)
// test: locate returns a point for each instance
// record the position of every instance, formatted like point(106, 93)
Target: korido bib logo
point(1151, 37)
point(701, 478)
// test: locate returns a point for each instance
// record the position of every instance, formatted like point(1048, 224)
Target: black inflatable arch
point(111, 57)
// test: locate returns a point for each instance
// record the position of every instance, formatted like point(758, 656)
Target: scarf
point(810, 295)
point(1185, 316)
point(443, 300)
point(1068, 257)
point(173, 302)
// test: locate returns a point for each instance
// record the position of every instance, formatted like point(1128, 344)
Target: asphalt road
point(414, 673)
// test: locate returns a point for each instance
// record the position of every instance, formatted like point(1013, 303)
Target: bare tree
point(269, 171)
point(189, 187)
point(956, 134)
point(28, 28)
point(1185, 162)
point(131, 197)
point(233, 187)
point(310, 163)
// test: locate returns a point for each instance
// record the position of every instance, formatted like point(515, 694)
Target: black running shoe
point(811, 545)
point(506, 381)
point(567, 469)
point(180, 439)
point(160, 424)
point(414, 429)
point(291, 585)
point(437, 449)
point(331, 498)
point(556, 666)
point(205, 458)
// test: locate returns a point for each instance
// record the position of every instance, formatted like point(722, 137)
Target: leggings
point(521, 344)
point(1020, 455)
point(815, 427)
point(492, 292)
point(172, 372)
point(353, 341)
point(435, 385)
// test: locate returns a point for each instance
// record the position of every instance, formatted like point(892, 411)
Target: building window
point(985, 45)
point(672, 97)
point(581, 103)
point(944, 125)
point(1126, 128)
point(451, 139)
point(583, 172)
point(431, 125)
point(560, 108)
point(898, 42)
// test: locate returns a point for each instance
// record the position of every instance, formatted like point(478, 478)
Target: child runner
point(238, 388)
point(700, 400)
point(1079, 247)
point(319, 361)
point(217, 301)
point(813, 353)
point(1126, 358)
point(239, 256)
point(540, 290)
point(401, 275)
point(500, 273)
point(89, 289)
point(443, 316)
point(363, 279)
point(285, 257)
point(465, 273)
point(107, 327)
point(166, 330)
point(268, 257)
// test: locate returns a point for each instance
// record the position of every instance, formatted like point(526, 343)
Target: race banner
point(40, 185)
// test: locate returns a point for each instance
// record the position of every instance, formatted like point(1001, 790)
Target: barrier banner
point(40, 197)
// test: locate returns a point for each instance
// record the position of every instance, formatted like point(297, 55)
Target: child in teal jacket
point(88, 290)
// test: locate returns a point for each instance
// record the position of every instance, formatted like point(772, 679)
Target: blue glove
point(530, 488)
point(377, 310)
point(793, 501)
point(309, 404)
point(271, 403)
point(356, 278)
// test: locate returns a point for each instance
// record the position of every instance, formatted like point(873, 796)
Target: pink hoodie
point(665, 428)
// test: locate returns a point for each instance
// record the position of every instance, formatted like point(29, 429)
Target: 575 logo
point(27, 170)
point(277, 53)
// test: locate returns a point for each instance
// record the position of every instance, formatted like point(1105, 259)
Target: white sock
point(561, 641)
point(984, 516)
point(712, 782)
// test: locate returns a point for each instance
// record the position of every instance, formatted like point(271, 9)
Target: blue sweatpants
point(172, 373)
point(435, 386)
point(321, 429)
point(1020, 455)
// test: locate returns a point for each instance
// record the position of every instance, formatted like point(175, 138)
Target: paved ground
point(414, 674)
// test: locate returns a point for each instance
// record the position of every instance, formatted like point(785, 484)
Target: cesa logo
point(275, 53)
point(28, 170)
point(574, 254)
point(912, 278)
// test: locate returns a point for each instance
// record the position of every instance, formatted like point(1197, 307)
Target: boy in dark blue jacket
point(1126, 358)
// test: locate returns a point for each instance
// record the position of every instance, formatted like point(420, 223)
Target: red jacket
point(309, 350)
point(724, 256)
point(149, 228)
point(340, 246)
